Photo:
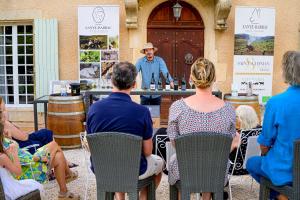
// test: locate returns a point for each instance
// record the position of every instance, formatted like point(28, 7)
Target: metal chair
point(237, 160)
point(160, 147)
point(202, 161)
point(244, 151)
point(116, 160)
point(292, 192)
point(34, 195)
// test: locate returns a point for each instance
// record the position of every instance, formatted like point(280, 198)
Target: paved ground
point(241, 185)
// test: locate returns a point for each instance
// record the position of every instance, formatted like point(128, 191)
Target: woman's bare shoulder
point(189, 98)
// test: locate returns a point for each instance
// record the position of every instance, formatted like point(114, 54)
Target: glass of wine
point(103, 85)
point(191, 83)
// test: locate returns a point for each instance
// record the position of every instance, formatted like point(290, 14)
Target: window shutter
point(46, 55)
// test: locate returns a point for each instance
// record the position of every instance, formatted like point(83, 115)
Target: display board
point(254, 50)
point(98, 38)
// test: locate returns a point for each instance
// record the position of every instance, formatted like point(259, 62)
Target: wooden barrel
point(243, 99)
point(65, 118)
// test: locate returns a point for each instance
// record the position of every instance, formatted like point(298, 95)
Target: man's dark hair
point(124, 75)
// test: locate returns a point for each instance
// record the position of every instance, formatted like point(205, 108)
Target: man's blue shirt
point(118, 113)
point(155, 66)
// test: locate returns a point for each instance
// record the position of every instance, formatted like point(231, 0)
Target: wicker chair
point(293, 192)
point(202, 161)
point(116, 160)
point(34, 195)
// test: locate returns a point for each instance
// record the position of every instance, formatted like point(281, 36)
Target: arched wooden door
point(174, 40)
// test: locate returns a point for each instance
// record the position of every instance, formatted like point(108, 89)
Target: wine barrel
point(65, 118)
point(243, 99)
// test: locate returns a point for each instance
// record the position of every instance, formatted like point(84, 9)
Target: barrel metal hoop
point(66, 102)
point(66, 113)
point(64, 98)
point(67, 136)
point(71, 146)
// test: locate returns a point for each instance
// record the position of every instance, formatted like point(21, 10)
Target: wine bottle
point(175, 83)
point(152, 83)
point(234, 90)
point(193, 86)
point(63, 89)
point(183, 83)
point(168, 87)
point(108, 81)
point(159, 85)
point(249, 88)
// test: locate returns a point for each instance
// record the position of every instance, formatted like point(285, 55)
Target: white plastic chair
point(86, 155)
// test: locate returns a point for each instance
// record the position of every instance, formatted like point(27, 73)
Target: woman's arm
point(173, 143)
point(235, 141)
point(147, 147)
point(173, 128)
point(10, 160)
point(11, 131)
point(236, 136)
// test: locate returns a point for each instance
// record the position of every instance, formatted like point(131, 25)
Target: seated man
point(118, 113)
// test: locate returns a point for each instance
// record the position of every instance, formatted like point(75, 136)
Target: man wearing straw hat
point(151, 64)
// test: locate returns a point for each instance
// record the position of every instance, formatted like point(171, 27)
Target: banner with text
point(254, 50)
point(98, 37)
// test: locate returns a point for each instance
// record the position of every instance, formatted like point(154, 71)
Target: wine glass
point(191, 83)
point(103, 85)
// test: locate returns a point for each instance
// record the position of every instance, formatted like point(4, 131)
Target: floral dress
point(184, 120)
point(30, 169)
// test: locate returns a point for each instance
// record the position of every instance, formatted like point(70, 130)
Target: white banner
point(254, 50)
point(98, 37)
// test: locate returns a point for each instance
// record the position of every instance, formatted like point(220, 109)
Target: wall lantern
point(177, 10)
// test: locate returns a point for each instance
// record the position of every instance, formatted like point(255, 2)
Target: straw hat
point(148, 45)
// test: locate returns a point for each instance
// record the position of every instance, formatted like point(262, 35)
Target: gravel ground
point(241, 185)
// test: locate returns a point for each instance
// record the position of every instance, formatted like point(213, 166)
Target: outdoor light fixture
point(177, 10)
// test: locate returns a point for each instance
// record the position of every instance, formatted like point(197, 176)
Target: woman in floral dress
point(202, 112)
